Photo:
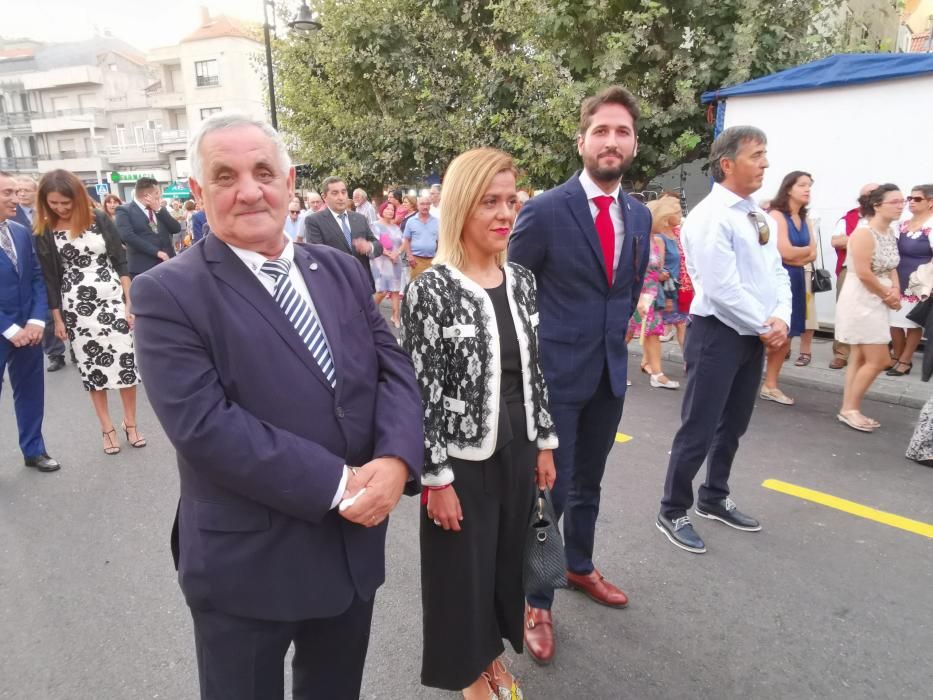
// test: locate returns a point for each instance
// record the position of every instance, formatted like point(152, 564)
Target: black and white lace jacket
point(450, 331)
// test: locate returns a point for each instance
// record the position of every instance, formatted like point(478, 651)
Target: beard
point(606, 173)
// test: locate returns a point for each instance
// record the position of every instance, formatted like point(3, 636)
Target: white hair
point(231, 120)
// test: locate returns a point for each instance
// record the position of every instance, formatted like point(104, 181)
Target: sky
point(143, 25)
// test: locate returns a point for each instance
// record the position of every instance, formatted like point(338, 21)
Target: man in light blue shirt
point(294, 222)
point(742, 305)
point(420, 237)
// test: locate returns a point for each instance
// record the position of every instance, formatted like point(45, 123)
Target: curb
point(906, 396)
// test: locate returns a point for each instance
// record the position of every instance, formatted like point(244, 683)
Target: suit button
point(456, 331)
point(447, 404)
point(339, 412)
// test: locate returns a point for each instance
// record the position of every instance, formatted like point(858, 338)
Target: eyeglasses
point(761, 225)
point(916, 199)
point(294, 211)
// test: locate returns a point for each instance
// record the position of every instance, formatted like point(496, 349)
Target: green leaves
point(390, 91)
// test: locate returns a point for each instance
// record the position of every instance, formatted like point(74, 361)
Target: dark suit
point(582, 338)
point(323, 228)
point(262, 439)
point(23, 297)
point(142, 243)
point(22, 217)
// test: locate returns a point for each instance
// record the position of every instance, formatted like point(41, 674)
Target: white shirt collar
point(254, 260)
point(336, 215)
point(730, 198)
point(594, 190)
point(141, 206)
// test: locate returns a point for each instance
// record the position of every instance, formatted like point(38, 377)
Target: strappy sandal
point(895, 372)
point(850, 418)
point(112, 448)
point(503, 683)
point(803, 359)
point(139, 442)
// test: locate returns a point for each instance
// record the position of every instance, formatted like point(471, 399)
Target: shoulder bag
point(820, 278)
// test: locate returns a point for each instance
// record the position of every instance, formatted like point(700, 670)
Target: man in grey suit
point(339, 228)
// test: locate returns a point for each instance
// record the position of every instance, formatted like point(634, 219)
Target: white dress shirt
point(339, 221)
point(735, 278)
point(254, 261)
point(15, 328)
point(615, 212)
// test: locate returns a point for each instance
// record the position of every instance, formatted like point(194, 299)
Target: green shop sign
point(130, 177)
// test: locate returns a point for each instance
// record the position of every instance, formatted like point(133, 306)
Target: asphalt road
point(819, 604)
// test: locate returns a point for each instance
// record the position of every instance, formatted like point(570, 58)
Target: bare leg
point(128, 397)
point(396, 306)
point(906, 356)
point(806, 343)
point(775, 357)
point(99, 401)
point(898, 341)
point(653, 353)
point(378, 297)
point(856, 360)
point(874, 360)
point(681, 334)
point(478, 690)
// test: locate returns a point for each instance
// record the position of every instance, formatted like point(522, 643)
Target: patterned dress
point(387, 275)
point(652, 286)
point(861, 315)
point(915, 249)
point(94, 312)
point(685, 292)
point(921, 443)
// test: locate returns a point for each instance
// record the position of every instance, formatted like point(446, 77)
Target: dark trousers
point(28, 381)
point(586, 431)
point(243, 659)
point(723, 376)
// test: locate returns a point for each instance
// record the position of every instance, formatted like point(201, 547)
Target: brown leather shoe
point(597, 588)
point(539, 634)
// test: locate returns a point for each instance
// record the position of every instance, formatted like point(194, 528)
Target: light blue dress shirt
point(735, 278)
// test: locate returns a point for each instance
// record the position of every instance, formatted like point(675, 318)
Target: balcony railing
point(208, 80)
point(64, 155)
point(117, 149)
point(17, 118)
point(19, 164)
point(173, 136)
point(48, 114)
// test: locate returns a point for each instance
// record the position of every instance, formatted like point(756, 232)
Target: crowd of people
point(515, 313)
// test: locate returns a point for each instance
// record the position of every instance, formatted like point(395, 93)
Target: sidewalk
point(908, 390)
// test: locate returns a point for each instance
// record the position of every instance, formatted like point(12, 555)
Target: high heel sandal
point(112, 448)
point(140, 442)
point(895, 372)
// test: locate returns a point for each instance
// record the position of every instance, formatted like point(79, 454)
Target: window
point(66, 148)
point(208, 111)
point(206, 73)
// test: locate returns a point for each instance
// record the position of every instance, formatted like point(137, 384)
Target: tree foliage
point(389, 91)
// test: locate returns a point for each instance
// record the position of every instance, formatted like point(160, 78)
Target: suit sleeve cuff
point(11, 331)
point(36, 322)
point(341, 487)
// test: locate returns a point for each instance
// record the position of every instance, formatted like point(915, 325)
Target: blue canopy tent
point(834, 71)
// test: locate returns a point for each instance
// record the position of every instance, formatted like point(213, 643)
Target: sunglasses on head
point(761, 225)
point(915, 199)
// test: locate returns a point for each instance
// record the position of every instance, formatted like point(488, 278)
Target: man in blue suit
point(23, 308)
point(297, 422)
point(146, 228)
point(587, 243)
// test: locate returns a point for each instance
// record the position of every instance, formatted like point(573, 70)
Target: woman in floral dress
point(84, 266)
point(387, 268)
point(648, 319)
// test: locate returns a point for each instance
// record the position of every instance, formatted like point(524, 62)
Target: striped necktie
point(301, 316)
point(7, 245)
point(346, 230)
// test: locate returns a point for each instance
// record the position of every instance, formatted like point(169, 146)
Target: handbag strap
point(819, 245)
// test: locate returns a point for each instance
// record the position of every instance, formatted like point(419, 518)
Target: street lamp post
point(304, 21)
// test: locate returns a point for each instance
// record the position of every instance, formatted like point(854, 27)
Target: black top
point(510, 383)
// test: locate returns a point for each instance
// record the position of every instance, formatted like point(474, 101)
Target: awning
point(176, 190)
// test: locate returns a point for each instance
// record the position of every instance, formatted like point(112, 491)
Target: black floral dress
point(94, 312)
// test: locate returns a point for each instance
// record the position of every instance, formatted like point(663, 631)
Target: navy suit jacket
point(22, 288)
point(142, 243)
point(322, 228)
point(260, 435)
point(583, 320)
point(22, 218)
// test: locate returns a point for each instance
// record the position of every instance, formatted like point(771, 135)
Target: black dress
point(471, 580)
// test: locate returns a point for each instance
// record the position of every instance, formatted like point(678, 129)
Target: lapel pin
point(313, 266)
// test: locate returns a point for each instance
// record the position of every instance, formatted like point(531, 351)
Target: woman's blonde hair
point(465, 183)
point(662, 211)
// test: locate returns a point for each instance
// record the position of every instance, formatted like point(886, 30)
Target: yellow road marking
point(824, 499)
point(622, 437)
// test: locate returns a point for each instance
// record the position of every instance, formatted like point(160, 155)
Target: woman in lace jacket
point(470, 324)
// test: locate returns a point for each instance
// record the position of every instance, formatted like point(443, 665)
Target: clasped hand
point(30, 334)
point(892, 299)
point(384, 479)
point(777, 336)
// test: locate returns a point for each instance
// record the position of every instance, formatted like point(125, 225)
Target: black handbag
point(920, 312)
point(545, 565)
point(820, 278)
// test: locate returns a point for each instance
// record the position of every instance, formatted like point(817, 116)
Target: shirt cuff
point(341, 487)
point(36, 322)
point(11, 331)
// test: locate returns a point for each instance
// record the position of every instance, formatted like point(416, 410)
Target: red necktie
point(606, 231)
point(151, 216)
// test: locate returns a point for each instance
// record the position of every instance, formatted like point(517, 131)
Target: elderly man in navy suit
point(587, 243)
point(297, 422)
point(23, 309)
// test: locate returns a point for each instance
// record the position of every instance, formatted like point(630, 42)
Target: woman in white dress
point(862, 308)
